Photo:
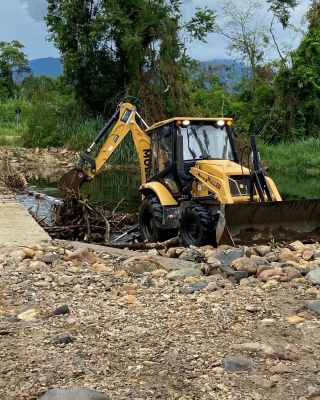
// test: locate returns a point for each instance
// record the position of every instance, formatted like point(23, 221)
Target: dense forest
point(136, 49)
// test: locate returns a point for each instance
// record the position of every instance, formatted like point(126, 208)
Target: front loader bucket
point(70, 183)
point(262, 222)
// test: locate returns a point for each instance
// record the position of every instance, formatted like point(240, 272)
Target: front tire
point(197, 226)
point(150, 221)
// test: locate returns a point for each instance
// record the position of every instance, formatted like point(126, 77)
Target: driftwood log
point(145, 246)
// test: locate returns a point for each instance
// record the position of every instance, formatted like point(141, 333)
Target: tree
point(13, 62)
point(209, 89)
point(246, 33)
point(280, 9)
point(30, 85)
point(115, 48)
point(249, 39)
point(77, 30)
point(298, 86)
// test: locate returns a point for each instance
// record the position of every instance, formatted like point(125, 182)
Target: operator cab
point(177, 144)
point(206, 140)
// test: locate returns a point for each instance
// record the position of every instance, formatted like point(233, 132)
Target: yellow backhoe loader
point(194, 185)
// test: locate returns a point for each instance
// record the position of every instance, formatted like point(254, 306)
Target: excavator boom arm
point(126, 121)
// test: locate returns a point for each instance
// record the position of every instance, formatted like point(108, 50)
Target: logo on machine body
point(126, 115)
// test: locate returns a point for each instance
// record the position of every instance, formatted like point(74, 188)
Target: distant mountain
point(52, 67)
point(227, 69)
point(224, 61)
point(46, 66)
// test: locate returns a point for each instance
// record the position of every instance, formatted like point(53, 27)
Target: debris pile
point(14, 180)
point(82, 220)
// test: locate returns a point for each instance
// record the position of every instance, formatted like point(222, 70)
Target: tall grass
point(9, 140)
point(301, 157)
point(292, 186)
point(58, 122)
point(81, 136)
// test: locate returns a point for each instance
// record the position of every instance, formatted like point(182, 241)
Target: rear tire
point(150, 221)
point(197, 226)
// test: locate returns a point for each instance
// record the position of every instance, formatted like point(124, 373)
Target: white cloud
point(37, 9)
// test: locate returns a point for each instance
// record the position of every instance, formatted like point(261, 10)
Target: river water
point(115, 188)
point(118, 188)
point(297, 186)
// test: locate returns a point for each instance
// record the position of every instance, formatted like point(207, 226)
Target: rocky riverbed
point(30, 160)
point(81, 321)
point(226, 323)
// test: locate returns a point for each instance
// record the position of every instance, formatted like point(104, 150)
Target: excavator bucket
point(70, 183)
point(285, 221)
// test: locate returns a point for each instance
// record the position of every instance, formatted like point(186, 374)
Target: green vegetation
point(12, 62)
point(300, 157)
point(115, 48)
point(137, 48)
point(12, 126)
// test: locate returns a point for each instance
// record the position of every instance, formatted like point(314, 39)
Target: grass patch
point(301, 157)
point(10, 136)
point(81, 135)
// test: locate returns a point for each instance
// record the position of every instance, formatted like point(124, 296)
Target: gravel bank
point(142, 326)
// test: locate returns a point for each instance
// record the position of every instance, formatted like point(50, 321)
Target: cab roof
point(195, 119)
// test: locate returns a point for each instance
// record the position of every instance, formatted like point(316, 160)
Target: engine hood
point(222, 168)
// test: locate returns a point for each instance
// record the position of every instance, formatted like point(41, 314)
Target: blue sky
point(22, 20)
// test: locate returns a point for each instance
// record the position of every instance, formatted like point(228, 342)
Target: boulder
point(314, 275)
point(245, 264)
point(82, 255)
point(181, 274)
point(267, 274)
point(286, 255)
point(233, 255)
point(298, 247)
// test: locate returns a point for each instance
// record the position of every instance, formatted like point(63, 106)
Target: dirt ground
point(131, 333)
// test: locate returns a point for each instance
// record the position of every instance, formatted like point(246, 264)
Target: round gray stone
point(76, 393)
point(237, 363)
